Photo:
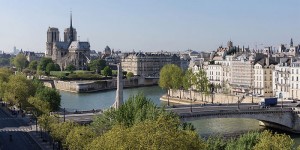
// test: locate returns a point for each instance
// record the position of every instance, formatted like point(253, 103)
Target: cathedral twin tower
point(70, 51)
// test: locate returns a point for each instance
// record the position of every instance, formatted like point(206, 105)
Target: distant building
point(67, 52)
point(295, 79)
point(263, 76)
point(148, 64)
point(282, 78)
point(31, 56)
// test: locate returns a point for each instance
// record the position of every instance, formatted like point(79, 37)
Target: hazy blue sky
point(151, 25)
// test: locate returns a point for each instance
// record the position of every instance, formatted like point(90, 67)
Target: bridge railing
point(236, 111)
point(77, 112)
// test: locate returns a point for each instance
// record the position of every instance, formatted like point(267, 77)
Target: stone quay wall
point(97, 85)
point(211, 98)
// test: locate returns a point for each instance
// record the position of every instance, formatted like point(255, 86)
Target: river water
point(205, 127)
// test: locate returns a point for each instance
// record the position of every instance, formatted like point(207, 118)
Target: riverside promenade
point(186, 98)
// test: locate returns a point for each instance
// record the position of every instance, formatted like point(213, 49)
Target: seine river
point(205, 127)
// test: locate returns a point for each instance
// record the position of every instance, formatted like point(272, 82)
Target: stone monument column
point(119, 92)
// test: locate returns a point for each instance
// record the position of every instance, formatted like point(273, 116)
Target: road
point(224, 107)
point(15, 127)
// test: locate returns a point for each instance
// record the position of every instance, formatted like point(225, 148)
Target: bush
point(59, 73)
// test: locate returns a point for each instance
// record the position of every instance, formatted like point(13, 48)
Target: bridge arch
point(279, 119)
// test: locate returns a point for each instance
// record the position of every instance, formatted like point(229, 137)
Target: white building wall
point(281, 80)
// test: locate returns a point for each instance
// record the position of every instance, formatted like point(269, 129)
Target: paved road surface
point(15, 127)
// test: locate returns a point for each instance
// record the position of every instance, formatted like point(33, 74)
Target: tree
point(45, 121)
point(170, 78)
point(51, 96)
point(60, 131)
point(201, 82)
point(129, 75)
point(4, 78)
point(188, 81)
point(20, 62)
point(18, 90)
point(79, 137)
point(162, 133)
point(40, 106)
point(33, 65)
point(107, 71)
point(97, 65)
point(4, 62)
point(276, 141)
point(70, 68)
point(5, 74)
point(244, 142)
point(136, 109)
point(43, 64)
point(51, 67)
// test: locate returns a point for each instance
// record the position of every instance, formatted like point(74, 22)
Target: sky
point(151, 25)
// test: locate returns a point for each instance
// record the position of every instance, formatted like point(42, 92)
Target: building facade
point(281, 78)
point(67, 52)
point(148, 64)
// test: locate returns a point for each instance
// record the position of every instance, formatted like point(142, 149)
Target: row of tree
point(46, 65)
point(140, 124)
point(17, 90)
point(173, 77)
point(137, 124)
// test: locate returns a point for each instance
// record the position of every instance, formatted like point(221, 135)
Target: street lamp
point(238, 103)
point(280, 97)
point(191, 99)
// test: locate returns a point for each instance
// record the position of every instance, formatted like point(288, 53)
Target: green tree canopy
point(136, 109)
point(45, 121)
point(51, 96)
point(41, 107)
point(70, 68)
point(129, 75)
point(43, 64)
point(170, 77)
point(276, 141)
point(51, 67)
point(162, 133)
point(5, 73)
point(33, 65)
point(60, 131)
point(4, 77)
point(79, 137)
point(20, 62)
point(4, 62)
point(107, 71)
point(188, 79)
point(18, 90)
point(201, 82)
point(97, 65)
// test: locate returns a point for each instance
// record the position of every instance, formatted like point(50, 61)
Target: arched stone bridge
point(284, 119)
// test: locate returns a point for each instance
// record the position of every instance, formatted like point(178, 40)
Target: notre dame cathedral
point(70, 51)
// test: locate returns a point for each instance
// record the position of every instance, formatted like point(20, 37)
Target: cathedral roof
point(61, 45)
point(77, 46)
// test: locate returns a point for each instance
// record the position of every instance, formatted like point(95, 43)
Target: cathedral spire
point(71, 20)
point(71, 36)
